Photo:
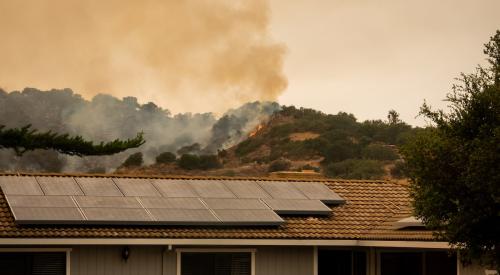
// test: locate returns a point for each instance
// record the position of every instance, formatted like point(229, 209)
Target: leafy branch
point(26, 139)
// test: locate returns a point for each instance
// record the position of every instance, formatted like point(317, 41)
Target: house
point(114, 224)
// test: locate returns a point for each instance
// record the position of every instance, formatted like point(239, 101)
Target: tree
point(454, 166)
point(393, 117)
point(26, 139)
point(165, 157)
point(133, 160)
point(279, 165)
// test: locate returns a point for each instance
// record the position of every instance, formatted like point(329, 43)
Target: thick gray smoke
point(105, 118)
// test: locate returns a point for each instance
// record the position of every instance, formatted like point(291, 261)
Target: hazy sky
point(367, 57)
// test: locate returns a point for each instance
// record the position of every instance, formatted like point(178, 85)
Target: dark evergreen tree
point(26, 139)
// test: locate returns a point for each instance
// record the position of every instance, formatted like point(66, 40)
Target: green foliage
point(454, 167)
point(399, 170)
point(166, 157)
point(379, 152)
point(355, 169)
point(26, 139)
point(279, 165)
point(203, 162)
point(341, 137)
point(133, 160)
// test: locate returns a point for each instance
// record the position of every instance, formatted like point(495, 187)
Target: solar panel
point(298, 207)
point(211, 189)
point(59, 186)
point(101, 200)
point(107, 202)
point(40, 201)
point(175, 188)
point(98, 187)
point(318, 191)
point(235, 204)
point(116, 215)
point(20, 185)
point(184, 216)
point(173, 203)
point(248, 217)
point(282, 190)
point(34, 215)
point(136, 187)
point(246, 189)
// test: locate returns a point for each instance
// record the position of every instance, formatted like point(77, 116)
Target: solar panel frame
point(174, 188)
point(136, 187)
point(20, 185)
point(172, 203)
point(116, 215)
point(235, 204)
point(246, 189)
point(107, 202)
point(41, 201)
point(184, 217)
point(282, 190)
point(47, 215)
point(298, 207)
point(59, 186)
point(254, 217)
point(318, 191)
point(98, 186)
point(211, 189)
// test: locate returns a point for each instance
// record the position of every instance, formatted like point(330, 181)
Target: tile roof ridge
point(156, 176)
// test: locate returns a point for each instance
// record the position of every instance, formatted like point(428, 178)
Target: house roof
point(371, 208)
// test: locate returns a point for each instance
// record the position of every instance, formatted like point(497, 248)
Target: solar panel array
point(106, 200)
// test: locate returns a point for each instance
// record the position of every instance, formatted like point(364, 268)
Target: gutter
point(221, 242)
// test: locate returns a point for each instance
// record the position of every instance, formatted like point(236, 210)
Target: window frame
point(409, 250)
point(179, 252)
point(67, 252)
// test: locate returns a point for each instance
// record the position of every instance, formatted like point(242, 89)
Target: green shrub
point(204, 162)
point(166, 157)
point(379, 152)
point(279, 165)
point(209, 162)
point(133, 160)
point(355, 169)
point(399, 170)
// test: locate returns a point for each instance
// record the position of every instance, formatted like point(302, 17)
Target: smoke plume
point(191, 55)
point(105, 118)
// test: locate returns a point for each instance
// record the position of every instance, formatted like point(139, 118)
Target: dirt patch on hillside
point(303, 136)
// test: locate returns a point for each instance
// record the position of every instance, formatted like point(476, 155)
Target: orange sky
point(367, 57)
point(359, 56)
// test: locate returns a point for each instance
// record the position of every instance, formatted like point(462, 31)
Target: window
point(216, 263)
point(341, 262)
point(417, 263)
point(36, 263)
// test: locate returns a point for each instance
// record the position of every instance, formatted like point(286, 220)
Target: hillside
point(295, 139)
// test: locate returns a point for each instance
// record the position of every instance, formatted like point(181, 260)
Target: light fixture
point(125, 253)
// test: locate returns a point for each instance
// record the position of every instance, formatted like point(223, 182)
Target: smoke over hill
point(185, 55)
point(106, 117)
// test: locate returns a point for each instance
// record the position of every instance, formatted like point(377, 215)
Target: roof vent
point(408, 222)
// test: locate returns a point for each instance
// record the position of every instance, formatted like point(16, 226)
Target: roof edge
point(225, 242)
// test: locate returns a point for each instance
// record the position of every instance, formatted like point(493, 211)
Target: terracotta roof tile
point(370, 209)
